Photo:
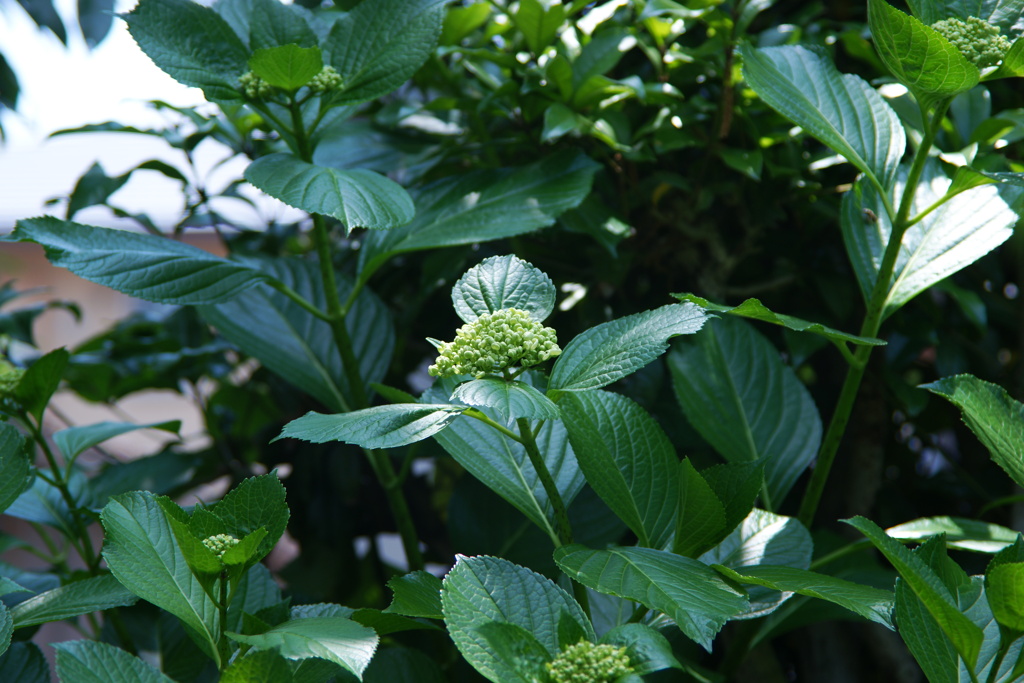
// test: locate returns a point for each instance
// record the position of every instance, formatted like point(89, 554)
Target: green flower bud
point(586, 662)
point(254, 87)
point(327, 79)
point(979, 41)
point(220, 543)
point(10, 376)
point(493, 342)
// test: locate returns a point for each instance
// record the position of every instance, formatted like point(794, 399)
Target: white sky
point(69, 87)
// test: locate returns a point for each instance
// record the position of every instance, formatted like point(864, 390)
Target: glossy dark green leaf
point(386, 426)
point(94, 187)
point(610, 351)
point(43, 503)
point(843, 111)
point(627, 459)
point(960, 533)
point(94, 594)
point(539, 23)
point(40, 381)
point(1004, 586)
point(6, 628)
point(336, 639)
point(688, 591)
point(501, 282)
point(701, 520)
point(994, 417)
point(378, 46)
point(510, 399)
point(648, 649)
point(192, 43)
point(357, 198)
point(88, 661)
point(24, 663)
point(257, 502)
point(739, 395)
point(15, 465)
point(148, 267)
point(273, 24)
point(258, 666)
point(74, 440)
point(417, 594)
point(918, 56)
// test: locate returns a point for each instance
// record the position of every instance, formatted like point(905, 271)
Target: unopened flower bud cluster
point(254, 87)
point(10, 376)
point(495, 341)
point(327, 79)
point(220, 543)
point(586, 662)
point(979, 41)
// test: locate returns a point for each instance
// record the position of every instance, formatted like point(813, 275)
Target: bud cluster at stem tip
point(977, 40)
point(327, 79)
point(493, 342)
point(220, 543)
point(586, 662)
point(10, 376)
point(254, 87)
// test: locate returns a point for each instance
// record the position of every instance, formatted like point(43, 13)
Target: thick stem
point(876, 312)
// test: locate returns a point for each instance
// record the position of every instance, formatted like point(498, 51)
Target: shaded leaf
point(501, 282)
point(510, 399)
point(336, 639)
point(417, 594)
point(71, 600)
point(88, 661)
point(964, 534)
point(387, 426)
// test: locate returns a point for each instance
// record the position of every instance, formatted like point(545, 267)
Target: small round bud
point(586, 662)
point(220, 543)
point(493, 342)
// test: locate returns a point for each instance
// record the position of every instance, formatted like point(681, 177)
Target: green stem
point(477, 415)
point(872, 322)
point(300, 300)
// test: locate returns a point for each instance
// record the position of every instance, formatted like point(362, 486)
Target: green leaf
point(336, 639)
point(8, 586)
point(256, 503)
point(387, 426)
point(750, 406)
point(94, 187)
point(74, 440)
point(503, 465)
point(15, 466)
point(258, 666)
point(648, 650)
point(141, 551)
point(88, 661)
point(485, 205)
point(6, 629)
point(963, 534)
point(298, 346)
point(272, 24)
point(1006, 14)
point(763, 538)
point(501, 282)
point(71, 600)
point(995, 418)
point(701, 521)
point(417, 594)
point(842, 111)
point(974, 600)
point(357, 198)
point(613, 350)
point(148, 267)
point(192, 43)
point(287, 66)
point(509, 399)
point(871, 603)
point(921, 59)
point(484, 590)
point(926, 585)
point(737, 486)
point(953, 236)
point(40, 381)
point(1013, 61)
point(755, 310)
point(512, 651)
point(1004, 586)
point(688, 591)
point(24, 663)
point(378, 46)
point(539, 21)
point(44, 503)
point(627, 459)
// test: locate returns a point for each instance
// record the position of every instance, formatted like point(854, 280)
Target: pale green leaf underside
point(286, 66)
point(686, 590)
point(627, 459)
point(503, 282)
point(73, 440)
point(613, 350)
point(748, 404)
point(511, 399)
point(755, 310)
point(871, 603)
point(948, 239)
point(964, 534)
point(387, 426)
point(88, 661)
point(842, 111)
point(81, 597)
point(918, 56)
point(358, 198)
point(336, 639)
point(145, 266)
point(994, 417)
point(482, 590)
